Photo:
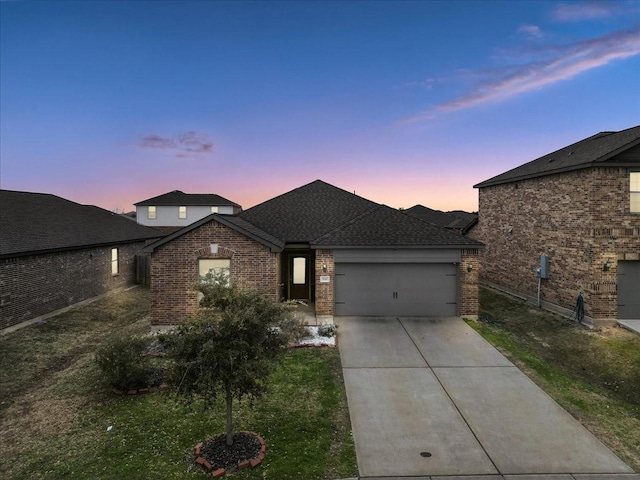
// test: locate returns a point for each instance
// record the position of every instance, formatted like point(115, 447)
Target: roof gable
point(232, 221)
point(178, 198)
point(39, 222)
point(598, 149)
point(307, 212)
point(382, 226)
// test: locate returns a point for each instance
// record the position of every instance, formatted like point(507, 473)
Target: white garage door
point(403, 289)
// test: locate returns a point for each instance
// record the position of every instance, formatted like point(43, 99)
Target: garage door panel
point(628, 290)
point(396, 289)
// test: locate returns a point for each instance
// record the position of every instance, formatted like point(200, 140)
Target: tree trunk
point(229, 418)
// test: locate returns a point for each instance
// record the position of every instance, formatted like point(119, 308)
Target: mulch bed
point(214, 454)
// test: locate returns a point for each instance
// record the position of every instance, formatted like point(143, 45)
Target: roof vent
point(552, 160)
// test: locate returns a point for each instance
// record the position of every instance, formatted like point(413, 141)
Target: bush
point(123, 361)
point(328, 330)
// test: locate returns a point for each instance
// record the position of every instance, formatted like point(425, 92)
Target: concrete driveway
point(430, 397)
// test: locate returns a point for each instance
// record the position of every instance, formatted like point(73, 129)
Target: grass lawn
point(55, 409)
point(594, 374)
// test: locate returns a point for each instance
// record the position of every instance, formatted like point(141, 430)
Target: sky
point(402, 102)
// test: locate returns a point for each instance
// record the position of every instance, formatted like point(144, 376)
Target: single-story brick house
point(578, 206)
point(345, 254)
point(55, 253)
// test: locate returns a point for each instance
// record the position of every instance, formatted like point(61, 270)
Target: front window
point(209, 268)
point(151, 213)
point(634, 189)
point(183, 212)
point(114, 261)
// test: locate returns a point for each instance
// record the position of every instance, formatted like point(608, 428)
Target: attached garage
point(396, 282)
point(628, 289)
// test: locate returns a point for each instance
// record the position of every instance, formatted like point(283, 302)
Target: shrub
point(123, 362)
point(328, 330)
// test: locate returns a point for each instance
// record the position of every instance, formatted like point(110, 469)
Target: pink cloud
point(565, 63)
point(183, 144)
point(575, 12)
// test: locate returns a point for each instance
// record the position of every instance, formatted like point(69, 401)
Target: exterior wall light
point(607, 265)
point(469, 267)
point(324, 268)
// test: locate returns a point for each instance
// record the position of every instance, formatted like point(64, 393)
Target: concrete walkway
point(632, 325)
point(431, 398)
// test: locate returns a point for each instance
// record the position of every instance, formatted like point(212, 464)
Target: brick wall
point(468, 283)
point(174, 269)
point(579, 219)
point(325, 291)
point(35, 285)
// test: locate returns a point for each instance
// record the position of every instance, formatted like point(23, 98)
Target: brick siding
point(174, 269)
point(579, 219)
point(36, 285)
point(325, 291)
point(468, 283)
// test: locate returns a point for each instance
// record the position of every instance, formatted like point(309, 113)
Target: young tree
point(230, 346)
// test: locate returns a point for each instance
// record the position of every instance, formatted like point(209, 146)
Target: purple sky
point(110, 103)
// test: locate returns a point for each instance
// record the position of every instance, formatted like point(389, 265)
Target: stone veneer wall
point(36, 285)
point(579, 219)
point(174, 269)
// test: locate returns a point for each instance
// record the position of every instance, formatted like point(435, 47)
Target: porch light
point(469, 267)
point(324, 268)
point(607, 265)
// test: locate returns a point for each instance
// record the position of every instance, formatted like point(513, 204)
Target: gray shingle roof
point(382, 226)
point(178, 198)
point(593, 151)
point(307, 212)
point(39, 222)
point(457, 219)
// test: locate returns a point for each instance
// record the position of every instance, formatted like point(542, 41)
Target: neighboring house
point(321, 244)
point(457, 220)
point(174, 210)
point(578, 206)
point(55, 253)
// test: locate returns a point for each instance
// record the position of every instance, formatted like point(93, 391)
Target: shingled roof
point(602, 149)
point(33, 223)
point(307, 212)
point(455, 220)
point(178, 198)
point(382, 226)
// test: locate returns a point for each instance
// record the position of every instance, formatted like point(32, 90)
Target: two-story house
point(174, 210)
point(579, 209)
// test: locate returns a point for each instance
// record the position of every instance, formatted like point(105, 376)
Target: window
point(208, 268)
point(299, 270)
point(114, 261)
point(634, 189)
point(151, 213)
point(182, 212)
point(214, 209)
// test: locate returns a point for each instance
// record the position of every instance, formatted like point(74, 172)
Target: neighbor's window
point(209, 268)
point(182, 213)
point(214, 209)
point(114, 261)
point(634, 189)
point(151, 213)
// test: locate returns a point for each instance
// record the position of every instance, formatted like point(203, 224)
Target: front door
point(299, 273)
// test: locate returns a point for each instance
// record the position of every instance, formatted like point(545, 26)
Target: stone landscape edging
point(138, 391)
point(253, 462)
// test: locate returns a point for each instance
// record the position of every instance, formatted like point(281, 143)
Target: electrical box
point(544, 266)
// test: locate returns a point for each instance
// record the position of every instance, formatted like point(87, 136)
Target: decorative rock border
point(254, 462)
point(139, 391)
